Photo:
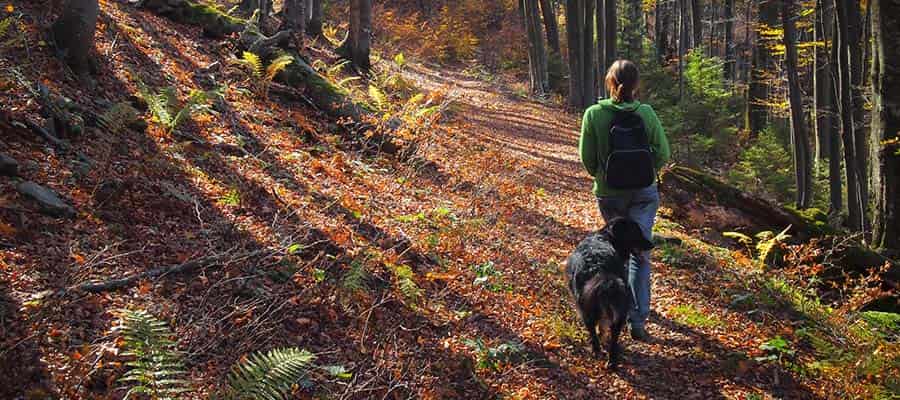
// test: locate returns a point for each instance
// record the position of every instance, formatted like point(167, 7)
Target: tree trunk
point(314, 27)
point(357, 46)
point(696, 22)
point(886, 124)
point(857, 80)
point(264, 7)
point(610, 53)
point(757, 113)
point(537, 58)
point(550, 25)
point(634, 30)
point(799, 138)
point(574, 19)
point(661, 28)
point(827, 134)
point(294, 15)
point(844, 42)
point(589, 68)
point(682, 35)
point(73, 34)
point(729, 41)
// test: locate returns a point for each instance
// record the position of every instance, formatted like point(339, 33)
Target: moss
point(885, 323)
point(215, 22)
point(815, 219)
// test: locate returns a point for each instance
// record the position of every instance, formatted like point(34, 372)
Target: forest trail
point(701, 338)
point(412, 276)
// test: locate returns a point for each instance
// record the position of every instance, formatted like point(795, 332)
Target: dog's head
point(626, 236)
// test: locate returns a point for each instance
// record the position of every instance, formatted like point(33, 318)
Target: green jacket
point(594, 142)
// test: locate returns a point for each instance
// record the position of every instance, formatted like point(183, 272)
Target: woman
point(638, 201)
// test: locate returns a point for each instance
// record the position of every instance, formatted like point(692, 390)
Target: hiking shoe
point(640, 334)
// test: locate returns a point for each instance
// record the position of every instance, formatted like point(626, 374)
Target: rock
point(48, 201)
point(8, 166)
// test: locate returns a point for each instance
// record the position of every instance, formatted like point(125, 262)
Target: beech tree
point(357, 46)
point(799, 138)
point(886, 124)
point(73, 34)
point(537, 56)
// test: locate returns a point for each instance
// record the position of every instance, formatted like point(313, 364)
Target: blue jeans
point(641, 206)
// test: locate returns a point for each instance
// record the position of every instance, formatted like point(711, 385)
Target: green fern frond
point(405, 283)
point(378, 97)
point(269, 376)
point(252, 61)
point(739, 237)
point(5, 23)
point(769, 242)
point(277, 65)
point(357, 278)
point(155, 364)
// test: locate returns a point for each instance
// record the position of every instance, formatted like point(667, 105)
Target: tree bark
point(357, 46)
point(696, 23)
point(662, 34)
point(73, 34)
point(857, 80)
point(729, 41)
point(589, 67)
point(314, 27)
point(845, 43)
point(294, 17)
point(827, 134)
point(551, 26)
point(537, 58)
point(799, 138)
point(886, 124)
point(574, 19)
point(610, 53)
point(757, 113)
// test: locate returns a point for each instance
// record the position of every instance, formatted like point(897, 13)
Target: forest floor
point(439, 277)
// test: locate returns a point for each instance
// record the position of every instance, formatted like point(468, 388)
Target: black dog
point(598, 278)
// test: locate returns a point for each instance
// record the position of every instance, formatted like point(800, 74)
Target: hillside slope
point(410, 274)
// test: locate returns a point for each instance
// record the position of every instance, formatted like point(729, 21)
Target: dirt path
point(703, 345)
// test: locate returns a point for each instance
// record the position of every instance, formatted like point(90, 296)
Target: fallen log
point(685, 189)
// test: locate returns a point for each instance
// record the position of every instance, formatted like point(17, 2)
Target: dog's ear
point(629, 234)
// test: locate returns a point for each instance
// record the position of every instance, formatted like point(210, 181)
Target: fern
point(277, 65)
point(378, 96)
point(269, 376)
point(408, 287)
point(357, 278)
point(169, 112)
point(252, 62)
point(7, 28)
point(156, 365)
point(768, 242)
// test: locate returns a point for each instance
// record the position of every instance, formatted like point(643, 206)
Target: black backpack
point(630, 162)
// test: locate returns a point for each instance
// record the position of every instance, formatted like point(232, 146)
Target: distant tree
point(661, 31)
point(845, 42)
point(314, 27)
point(696, 22)
point(295, 15)
point(729, 40)
point(574, 19)
point(799, 137)
point(582, 65)
point(537, 56)
point(828, 141)
point(756, 114)
point(607, 51)
point(264, 7)
point(357, 46)
point(886, 124)
point(551, 26)
point(73, 34)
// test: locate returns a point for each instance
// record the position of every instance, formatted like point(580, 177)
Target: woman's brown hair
point(622, 81)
